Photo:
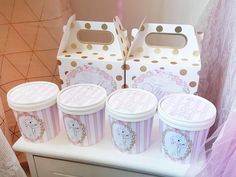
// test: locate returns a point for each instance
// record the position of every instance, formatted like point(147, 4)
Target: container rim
point(81, 110)
point(130, 117)
point(35, 106)
point(186, 124)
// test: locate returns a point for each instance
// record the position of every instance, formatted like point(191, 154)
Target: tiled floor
point(26, 169)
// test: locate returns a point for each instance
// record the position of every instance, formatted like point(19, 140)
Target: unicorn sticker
point(177, 145)
point(31, 126)
point(123, 135)
point(75, 130)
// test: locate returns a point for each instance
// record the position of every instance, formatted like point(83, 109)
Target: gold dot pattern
point(87, 26)
point(175, 51)
point(154, 61)
point(125, 67)
point(173, 62)
point(118, 77)
point(196, 53)
point(178, 29)
point(184, 59)
point(89, 47)
point(95, 53)
point(192, 84)
point(73, 64)
point(112, 55)
point(164, 58)
point(139, 49)
point(104, 26)
point(136, 60)
point(124, 86)
point(101, 58)
point(84, 57)
point(195, 64)
point(119, 59)
point(159, 28)
point(67, 55)
point(162, 68)
point(64, 51)
point(143, 68)
point(90, 63)
point(73, 46)
point(78, 52)
point(131, 55)
point(109, 66)
point(59, 62)
point(183, 72)
point(105, 47)
point(146, 56)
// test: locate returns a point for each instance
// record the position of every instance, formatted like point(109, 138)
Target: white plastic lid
point(131, 105)
point(32, 96)
point(187, 112)
point(82, 99)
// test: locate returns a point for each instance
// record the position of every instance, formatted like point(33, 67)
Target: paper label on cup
point(31, 126)
point(123, 136)
point(177, 145)
point(75, 129)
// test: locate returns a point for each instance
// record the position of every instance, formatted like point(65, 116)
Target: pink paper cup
point(131, 113)
point(83, 110)
point(184, 122)
point(34, 106)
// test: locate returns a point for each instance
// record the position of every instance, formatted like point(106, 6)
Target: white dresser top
point(104, 153)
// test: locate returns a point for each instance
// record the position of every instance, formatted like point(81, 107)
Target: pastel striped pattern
point(143, 131)
point(94, 124)
point(198, 139)
point(50, 120)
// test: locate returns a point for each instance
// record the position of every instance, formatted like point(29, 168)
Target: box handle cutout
point(95, 37)
point(167, 40)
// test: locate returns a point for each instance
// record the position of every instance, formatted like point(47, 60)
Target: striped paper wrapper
point(181, 145)
point(39, 126)
point(131, 137)
point(85, 130)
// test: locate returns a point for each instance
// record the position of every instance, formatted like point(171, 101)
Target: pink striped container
point(184, 124)
point(131, 113)
point(34, 106)
point(82, 107)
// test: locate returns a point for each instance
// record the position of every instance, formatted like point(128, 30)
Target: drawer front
point(47, 167)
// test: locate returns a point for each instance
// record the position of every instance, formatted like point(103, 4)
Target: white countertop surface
point(104, 153)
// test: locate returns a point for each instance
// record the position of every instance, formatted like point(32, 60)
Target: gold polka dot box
point(155, 66)
point(93, 52)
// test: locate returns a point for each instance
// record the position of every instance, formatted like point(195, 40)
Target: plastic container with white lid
point(184, 124)
point(83, 110)
point(34, 106)
point(131, 113)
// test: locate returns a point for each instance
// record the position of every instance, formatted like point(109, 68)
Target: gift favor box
point(163, 69)
point(93, 52)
